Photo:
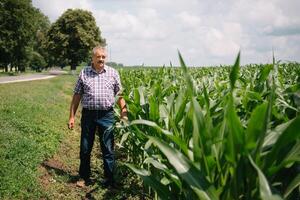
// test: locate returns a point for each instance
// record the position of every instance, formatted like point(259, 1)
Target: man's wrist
point(124, 109)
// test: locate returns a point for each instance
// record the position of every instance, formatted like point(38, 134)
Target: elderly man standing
point(97, 87)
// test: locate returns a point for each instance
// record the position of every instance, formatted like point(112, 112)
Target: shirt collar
point(103, 71)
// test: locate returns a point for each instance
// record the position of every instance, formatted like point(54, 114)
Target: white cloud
point(55, 8)
point(206, 32)
point(191, 21)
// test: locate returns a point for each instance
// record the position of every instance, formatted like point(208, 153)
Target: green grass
point(14, 73)
point(33, 129)
point(32, 123)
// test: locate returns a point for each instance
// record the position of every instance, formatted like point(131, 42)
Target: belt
point(93, 110)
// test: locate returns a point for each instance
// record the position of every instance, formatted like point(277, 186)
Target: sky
point(207, 33)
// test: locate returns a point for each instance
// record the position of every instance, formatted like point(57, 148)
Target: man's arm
point(122, 105)
point(73, 108)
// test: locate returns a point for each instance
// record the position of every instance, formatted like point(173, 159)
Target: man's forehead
point(100, 52)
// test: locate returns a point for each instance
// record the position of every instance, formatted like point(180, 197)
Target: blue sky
point(205, 32)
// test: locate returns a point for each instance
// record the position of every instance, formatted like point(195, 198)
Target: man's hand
point(122, 105)
point(74, 105)
point(124, 115)
point(71, 123)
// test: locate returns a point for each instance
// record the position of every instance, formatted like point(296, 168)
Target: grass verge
point(39, 156)
point(32, 123)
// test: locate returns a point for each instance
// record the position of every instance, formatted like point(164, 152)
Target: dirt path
point(31, 77)
point(21, 78)
point(58, 175)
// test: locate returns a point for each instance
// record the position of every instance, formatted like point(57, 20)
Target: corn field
point(214, 133)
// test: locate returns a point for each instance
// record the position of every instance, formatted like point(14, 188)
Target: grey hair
point(96, 49)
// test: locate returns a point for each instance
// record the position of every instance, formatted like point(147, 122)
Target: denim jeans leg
point(88, 128)
point(106, 126)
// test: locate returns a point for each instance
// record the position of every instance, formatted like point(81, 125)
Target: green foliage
point(39, 55)
point(214, 133)
point(71, 38)
point(20, 24)
point(37, 61)
point(114, 64)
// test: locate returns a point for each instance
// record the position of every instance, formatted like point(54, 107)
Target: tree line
point(29, 40)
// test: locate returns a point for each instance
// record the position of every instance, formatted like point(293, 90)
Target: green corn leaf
point(138, 133)
point(181, 144)
point(164, 169)
point(293, 88)
point(264, 188)
point(164, 115)
point(163, 111)
point(188, 78)
point(256, 125)
point(199, 136)
point(263, 132)
point(150, 180)
point(142, 100)
point(289, 136)
point(266, 119)
point(293, 155)
point(170, 102)
point(154, 109)
point(197, 143)
point(295, 183)
point(264, 73)
point(136, 96)
point(124, 138)
point(187, 130)
point(180, 106)
point(253, 95)
point(186, 170)
point(235, 140)
point(206, 97)
point(288, 156)
point(150, 123)
point(234, 71)
point(273, 135)
point(155, 163)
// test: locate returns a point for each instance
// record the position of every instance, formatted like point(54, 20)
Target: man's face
point(99, 58)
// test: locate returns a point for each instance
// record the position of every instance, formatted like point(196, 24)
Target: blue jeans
point(104, 120)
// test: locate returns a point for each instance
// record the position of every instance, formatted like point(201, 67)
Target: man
point(97, 87)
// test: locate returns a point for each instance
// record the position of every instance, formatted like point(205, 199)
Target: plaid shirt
point(98, 90)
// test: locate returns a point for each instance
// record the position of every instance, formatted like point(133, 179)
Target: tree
point(114, 64)
point(37, 61)
point(39, 53)
point(17, 29)
point(71, 38)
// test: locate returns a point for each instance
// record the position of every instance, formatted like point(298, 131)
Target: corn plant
point(215, 133)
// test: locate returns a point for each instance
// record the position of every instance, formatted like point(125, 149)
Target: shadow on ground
point(127, 185)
